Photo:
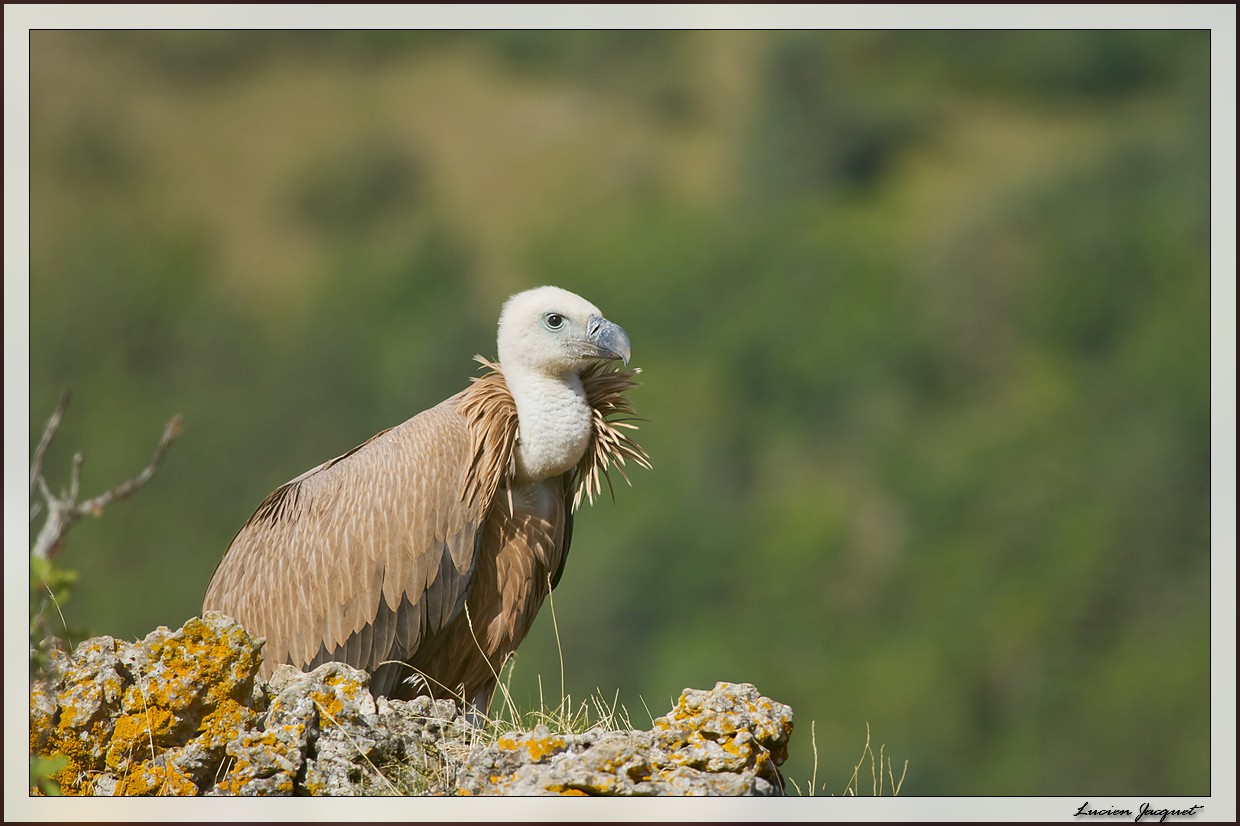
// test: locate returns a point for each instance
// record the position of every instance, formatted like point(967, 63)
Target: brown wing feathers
point(369, 558)
point(314, 566)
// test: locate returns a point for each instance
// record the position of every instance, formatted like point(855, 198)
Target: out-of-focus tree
point(923, 318)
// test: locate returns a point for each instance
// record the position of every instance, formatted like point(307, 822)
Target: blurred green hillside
point(923, 318)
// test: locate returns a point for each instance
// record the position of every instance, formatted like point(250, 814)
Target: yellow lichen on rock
point(70, 714)
point(226, 722)
point(264, 762)
point(184, 713)
point(126, 715)
point(728, 729)
point(148, 779)
point(538, 744)
point(81, 749)
point(329, 706)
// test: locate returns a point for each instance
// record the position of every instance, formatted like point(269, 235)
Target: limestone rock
point(726, 741)
point(152, 717)
point(731, 728)
point(184, 713)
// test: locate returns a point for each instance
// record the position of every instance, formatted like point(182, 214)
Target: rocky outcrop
point(184, 713)
point(727, 741)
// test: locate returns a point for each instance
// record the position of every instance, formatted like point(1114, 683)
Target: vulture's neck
point(554, 421)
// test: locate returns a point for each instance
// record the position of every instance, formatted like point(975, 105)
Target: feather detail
point(492, 415)
point(611, 445)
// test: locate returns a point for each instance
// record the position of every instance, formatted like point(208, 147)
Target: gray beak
point(609, 341)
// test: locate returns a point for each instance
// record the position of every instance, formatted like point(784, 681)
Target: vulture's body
point(423, 555)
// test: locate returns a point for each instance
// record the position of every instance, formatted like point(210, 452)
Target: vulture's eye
point(554, 321)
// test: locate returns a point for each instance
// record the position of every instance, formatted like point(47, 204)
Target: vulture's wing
point(568, 538)
point(363, 559)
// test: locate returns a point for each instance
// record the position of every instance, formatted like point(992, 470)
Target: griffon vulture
point(422, 555)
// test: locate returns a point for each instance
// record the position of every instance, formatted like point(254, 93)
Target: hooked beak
point(607, 340)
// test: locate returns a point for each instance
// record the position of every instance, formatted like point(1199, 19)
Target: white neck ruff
point(554, 424)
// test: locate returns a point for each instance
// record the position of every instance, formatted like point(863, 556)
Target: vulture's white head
point(547, 336)
point(553, 332)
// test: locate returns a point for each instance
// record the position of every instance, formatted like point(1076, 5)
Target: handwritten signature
point(1146, 810)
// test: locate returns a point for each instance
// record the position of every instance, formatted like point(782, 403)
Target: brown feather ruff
point(491, 411)
point(611, 445)
point(492, 415)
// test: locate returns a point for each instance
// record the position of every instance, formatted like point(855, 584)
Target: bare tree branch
point(96, 505)
point(49, 433)
point(64, 510)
